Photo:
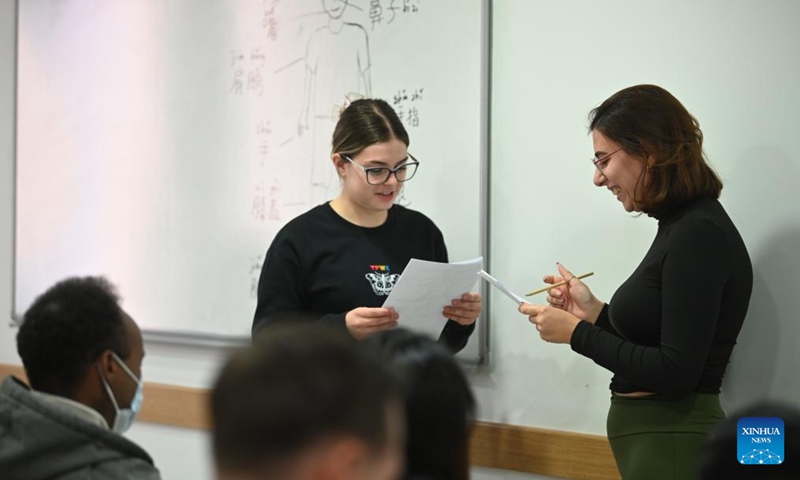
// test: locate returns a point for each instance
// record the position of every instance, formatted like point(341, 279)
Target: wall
point(734, 65)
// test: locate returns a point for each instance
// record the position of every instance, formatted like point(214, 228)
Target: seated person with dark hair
point(719, 456)
point(307, 403)
point(83, 357)
point(440, 406)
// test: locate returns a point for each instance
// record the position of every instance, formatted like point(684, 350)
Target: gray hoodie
point(39, 441)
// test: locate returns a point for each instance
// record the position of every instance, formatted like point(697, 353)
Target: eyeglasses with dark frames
point(380, 175)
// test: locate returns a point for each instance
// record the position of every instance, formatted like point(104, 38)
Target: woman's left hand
point(464, 310)
point(554, 325)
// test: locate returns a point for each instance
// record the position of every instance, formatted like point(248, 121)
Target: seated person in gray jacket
point(83, 357)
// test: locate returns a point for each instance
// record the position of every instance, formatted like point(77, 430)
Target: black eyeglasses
point(380, 175)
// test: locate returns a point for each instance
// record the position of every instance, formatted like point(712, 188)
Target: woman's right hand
point(574, 297)
point(364, 321)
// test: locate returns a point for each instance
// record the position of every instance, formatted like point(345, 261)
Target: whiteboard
point(164, 143)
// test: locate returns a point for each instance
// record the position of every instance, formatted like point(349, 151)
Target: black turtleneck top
point(671, 327)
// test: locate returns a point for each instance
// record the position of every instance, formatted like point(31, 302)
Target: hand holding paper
point(465, 310)
point(425, 288)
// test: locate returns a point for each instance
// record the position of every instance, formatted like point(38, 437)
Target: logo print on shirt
point(381, 280)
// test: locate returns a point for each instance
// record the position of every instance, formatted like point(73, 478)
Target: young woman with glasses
point(336, 263)
point(668, 331)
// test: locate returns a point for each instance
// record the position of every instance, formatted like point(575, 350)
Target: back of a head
point(293, 388)
point(720, 454)
point(366, 122)
point(66, 329)
point(440, 406)
point(649, 123)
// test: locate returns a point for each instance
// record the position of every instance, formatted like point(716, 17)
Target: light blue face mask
point(124, 416)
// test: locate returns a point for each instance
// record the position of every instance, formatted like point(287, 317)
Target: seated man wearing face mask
point(83, 357)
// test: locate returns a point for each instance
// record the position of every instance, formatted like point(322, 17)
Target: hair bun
point(348, 99)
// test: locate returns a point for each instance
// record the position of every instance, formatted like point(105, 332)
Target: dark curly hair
point(66, 329)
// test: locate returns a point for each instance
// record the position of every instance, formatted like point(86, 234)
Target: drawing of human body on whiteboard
point(337, 62)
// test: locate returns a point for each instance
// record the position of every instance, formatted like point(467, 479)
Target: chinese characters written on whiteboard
point(248, 75)
point(265, 203)
point(269, 20)
point(385, 12)
point(255, 274)
point(407, 105)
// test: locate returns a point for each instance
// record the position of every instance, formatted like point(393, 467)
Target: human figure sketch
point(337, 62)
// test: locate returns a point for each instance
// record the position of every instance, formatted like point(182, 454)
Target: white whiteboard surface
point(164, 143)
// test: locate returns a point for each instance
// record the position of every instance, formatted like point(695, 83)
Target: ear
point(107, 363)
point(342, 459)
point(338, 163)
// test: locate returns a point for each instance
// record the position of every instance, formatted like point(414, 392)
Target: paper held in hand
point(508, 293)
point(425, 288)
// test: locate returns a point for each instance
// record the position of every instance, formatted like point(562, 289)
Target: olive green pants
point(658, 437)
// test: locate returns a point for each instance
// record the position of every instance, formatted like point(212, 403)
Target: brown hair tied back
point(365, 122)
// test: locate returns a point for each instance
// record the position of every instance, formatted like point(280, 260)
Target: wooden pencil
point(556, 285)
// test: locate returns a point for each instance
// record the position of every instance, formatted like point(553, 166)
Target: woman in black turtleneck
point(668, 331)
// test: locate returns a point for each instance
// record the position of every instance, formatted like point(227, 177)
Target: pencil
point(557, 284)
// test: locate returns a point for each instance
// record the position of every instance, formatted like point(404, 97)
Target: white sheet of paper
point(425, 288)
point(508, 293)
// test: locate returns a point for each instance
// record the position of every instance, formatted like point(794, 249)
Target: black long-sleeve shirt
point(320, 266)
point(671, 327)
